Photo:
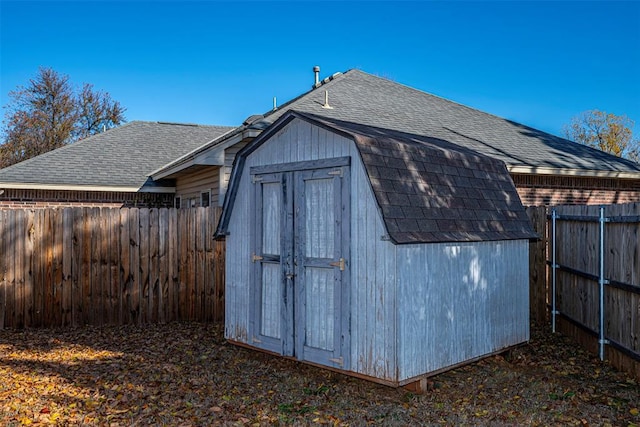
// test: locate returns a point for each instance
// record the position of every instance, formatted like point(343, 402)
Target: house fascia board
point(215, 155)
point(211, 156)
point(533, 170)
point(62, 187)
point(166, 172)
point(188, 157)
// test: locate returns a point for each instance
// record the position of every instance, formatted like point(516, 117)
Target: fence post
point(601, 282)
point(554, 266)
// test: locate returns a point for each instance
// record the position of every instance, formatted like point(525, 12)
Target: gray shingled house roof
point(119, 159)
point(358, 97)
point(428, 189)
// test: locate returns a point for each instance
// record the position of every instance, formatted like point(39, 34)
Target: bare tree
point(605, 131)
point(48, 114)
point(96, 112)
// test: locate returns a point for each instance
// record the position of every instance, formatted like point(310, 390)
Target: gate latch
point(255, 258)
point(339, 264)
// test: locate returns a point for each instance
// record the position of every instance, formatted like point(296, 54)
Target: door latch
point(255, 258)
point(339, 264)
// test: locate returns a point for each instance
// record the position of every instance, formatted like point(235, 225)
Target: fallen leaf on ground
point(186, 374)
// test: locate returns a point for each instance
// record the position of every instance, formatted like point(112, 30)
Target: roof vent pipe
point(316, 71)
point(326, 101)
point(275, 104)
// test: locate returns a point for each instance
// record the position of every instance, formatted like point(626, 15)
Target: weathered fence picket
point(76, 266)
point(539, 292)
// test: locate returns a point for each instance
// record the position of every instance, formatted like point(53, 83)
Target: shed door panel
point(271, 255)
point(300, 298)
point(271, 301)
point(318, 251)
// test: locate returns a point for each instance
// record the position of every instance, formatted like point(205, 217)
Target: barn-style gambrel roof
point(428, 189)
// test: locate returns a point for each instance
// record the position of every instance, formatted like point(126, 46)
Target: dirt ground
point(185, 374)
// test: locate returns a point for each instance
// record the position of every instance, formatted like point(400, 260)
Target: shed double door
point(300, 297)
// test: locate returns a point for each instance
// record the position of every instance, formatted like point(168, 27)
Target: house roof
point(119, 159)
point(428, 189)
point(358, 97)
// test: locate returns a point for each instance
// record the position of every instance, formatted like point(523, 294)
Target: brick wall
point(18, 198)
point(534, 190)
point(539, 190)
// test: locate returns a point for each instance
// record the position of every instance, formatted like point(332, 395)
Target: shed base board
point(417, 384)
point(420, 383)
point(389, 383)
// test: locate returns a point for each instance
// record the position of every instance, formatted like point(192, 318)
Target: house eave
point(173, 170)
point(532, 170)
point(201, 157)
point(62, 187)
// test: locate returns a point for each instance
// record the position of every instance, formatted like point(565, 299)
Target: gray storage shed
point(384, 255)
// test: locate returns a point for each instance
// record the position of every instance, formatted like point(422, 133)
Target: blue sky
point(538, 63)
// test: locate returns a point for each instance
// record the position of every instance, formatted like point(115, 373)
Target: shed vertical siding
point(238, 266)
point(372, 264)
point(373, 296)
point(459, 301)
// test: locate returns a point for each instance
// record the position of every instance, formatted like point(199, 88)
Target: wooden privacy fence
point(94, 266)
point(593, 286)
point(539, 295)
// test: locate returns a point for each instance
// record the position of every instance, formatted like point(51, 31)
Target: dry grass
point(186, 374)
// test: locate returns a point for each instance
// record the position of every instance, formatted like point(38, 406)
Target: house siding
point(224, 173)
point(460, 301)
point(192, 185)
point(372, 262)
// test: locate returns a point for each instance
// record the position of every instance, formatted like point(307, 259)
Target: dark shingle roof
point(428, 190)
point(120, 157)
point(359, 97)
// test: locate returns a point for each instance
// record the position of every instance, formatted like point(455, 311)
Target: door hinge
point(255, 179)
point(254, 339)
point(255, 258)
point(339, 264)
point(337, 172)
point(338, 361)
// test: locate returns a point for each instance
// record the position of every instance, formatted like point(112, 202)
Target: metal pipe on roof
point(326, 101)
point(316, 71)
